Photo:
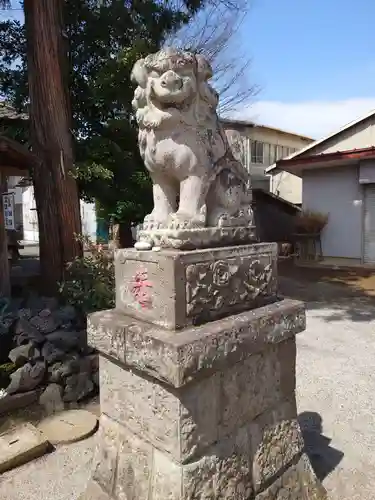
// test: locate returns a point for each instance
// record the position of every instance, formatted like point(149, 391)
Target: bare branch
point(214, 32)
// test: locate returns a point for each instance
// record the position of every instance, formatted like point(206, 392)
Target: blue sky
point(314, 61)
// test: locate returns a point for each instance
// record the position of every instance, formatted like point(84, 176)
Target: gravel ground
point(336, 384)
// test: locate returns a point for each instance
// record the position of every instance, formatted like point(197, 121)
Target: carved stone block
point(177, 289)
point(180, 357)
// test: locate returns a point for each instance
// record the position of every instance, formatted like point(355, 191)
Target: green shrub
point(89, 282)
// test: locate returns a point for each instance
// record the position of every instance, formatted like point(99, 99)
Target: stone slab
point(126, 466)
point(190, 239)
point(184, 422)
point(177, 358)
point(298, 482)
point(13, 402)
point(69, 426)
point(175, 289)
point(21, 445)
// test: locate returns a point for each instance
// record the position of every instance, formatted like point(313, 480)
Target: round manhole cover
point(69, 426)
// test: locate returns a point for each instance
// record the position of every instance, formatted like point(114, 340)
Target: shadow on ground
point(347, 294)
point(323, 457)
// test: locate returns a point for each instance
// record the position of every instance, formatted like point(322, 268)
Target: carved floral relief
point(227, 283)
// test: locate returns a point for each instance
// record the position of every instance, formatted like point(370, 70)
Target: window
point(272, 154)
point(279, 152)
point(257, 152)
point(266, 154)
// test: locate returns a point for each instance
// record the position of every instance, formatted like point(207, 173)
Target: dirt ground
point(355, 281)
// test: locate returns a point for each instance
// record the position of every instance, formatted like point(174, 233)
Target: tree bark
point(125, 235)
point(5, 287)
point(56, 193)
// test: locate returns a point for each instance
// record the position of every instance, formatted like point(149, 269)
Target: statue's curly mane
point(203, 105)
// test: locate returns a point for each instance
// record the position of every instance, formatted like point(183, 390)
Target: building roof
point(9, 113)
point(296, 165)
point(311, 146)
point(247, 123)
point(15, 159)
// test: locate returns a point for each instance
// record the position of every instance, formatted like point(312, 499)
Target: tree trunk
point(125, 235)
point(4, 262)
point(56, 193)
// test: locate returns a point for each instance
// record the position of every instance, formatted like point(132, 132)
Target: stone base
point(207, 413)
point(175, 289)
point(190, 239)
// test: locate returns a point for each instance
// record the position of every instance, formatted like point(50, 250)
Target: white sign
point(8, 207)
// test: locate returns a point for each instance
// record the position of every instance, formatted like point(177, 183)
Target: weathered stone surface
point(66, 340)
point(183, 145)
point(27, 377)
point(127, 466)
point(94, 492)
point(297, 483)
point(62, 369)
point(51, 353)
point(26, 332)
point(146, 407)
point(69, 426)
point(106, 452)
point(248, 389)
point(45, 324)
point(223, 473)
point(166, 478)
point(275, 441)
point(21, 445)
point(13, 402)
point(134, 467)
point(176, 289)
point(179, 358)
point(51, 398)
point(78, 386)
point(21, 354)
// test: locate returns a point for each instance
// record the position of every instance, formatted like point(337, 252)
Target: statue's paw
point(180, 220)
point(152, 221)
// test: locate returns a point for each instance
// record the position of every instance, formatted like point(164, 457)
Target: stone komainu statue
point(198, 187)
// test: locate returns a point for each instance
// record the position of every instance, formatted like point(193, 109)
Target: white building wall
point(30, 217)
point(337, 192)
point(287, 186)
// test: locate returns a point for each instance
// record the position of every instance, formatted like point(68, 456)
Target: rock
point(27, 378)
point(24, 313)
point(51, 399)
point(45, 324)
point(67, 340)
point(45, 313)
point(65, 314)
point(22, 353)
point(62, 369)
point(51, 353)
point(25, 332)
point(78, 386)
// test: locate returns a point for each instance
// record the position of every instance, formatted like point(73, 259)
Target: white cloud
point(312, 118)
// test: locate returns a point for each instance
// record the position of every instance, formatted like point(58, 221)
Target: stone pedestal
point(197, 381)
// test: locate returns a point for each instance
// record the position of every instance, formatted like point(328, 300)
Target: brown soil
point(351, 280)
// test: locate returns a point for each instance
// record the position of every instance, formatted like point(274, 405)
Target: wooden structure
point(15, 160)
point(308, 247)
